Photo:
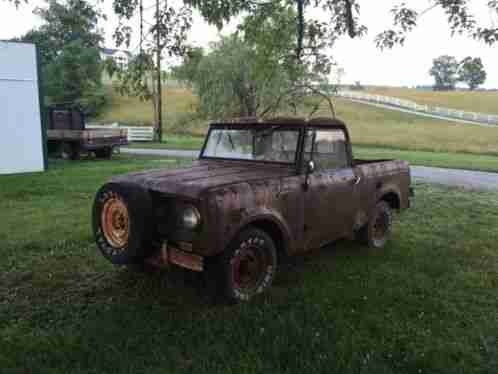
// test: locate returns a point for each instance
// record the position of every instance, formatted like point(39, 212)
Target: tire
point(248, 265)
point(140, 267)
point(377, 231)
point(123, 223)
point(70, 151)
point(104, 153)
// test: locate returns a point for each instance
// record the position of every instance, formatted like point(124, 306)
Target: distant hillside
point(179, 110)
point(368, 125)
point(470, 101)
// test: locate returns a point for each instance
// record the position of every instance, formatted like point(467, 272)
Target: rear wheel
point(104, 153)
point(377, 231)
point(122, 223)
point(70, 151)
point(248, 266)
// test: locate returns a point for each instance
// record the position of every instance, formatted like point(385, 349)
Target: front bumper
point(169, 254)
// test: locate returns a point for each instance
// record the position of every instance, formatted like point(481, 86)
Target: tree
point(247, 73)
point(445, 72)
point(187, 71)
point(168, 34)
point(74, 77)
point(230, 83)
point(471, 71)
point(343, 17)
point(68, 43)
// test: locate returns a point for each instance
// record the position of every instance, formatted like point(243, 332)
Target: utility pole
point(159, 128)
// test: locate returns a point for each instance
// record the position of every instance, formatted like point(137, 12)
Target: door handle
point(356, 180)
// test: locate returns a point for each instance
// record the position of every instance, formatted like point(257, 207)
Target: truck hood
point(204, 175)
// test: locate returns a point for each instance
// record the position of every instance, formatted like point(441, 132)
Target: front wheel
point(377, 231)
point(248, 266)
point(122, 223)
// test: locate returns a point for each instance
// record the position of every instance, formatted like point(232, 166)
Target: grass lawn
point(427, 303)
point(477, 101)
point(425, 158)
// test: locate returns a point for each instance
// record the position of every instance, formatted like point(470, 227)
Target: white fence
point(411, 105)
point(135, 133)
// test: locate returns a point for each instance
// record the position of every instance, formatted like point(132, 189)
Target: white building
point(22, 137)
point(121, 57)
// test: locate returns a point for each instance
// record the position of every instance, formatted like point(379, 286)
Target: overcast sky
point(362, 61)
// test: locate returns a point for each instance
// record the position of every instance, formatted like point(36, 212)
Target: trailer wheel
point(70, 151)
point(122, 223)
point(377, 231)
point(104, 153)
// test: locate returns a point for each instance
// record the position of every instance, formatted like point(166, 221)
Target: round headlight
point(191, 218)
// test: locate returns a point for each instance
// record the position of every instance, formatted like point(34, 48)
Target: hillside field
point(369, 126)
point(476, 101)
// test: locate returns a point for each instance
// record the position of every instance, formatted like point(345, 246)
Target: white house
point(121, 57)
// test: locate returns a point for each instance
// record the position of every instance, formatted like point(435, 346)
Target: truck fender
point(390, 189)
point(262, 217)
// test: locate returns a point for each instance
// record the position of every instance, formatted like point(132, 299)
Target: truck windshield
point(270, 144)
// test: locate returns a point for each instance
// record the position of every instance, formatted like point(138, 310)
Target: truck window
point(329, 149)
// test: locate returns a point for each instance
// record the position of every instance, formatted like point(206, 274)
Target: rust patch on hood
point(204, 175)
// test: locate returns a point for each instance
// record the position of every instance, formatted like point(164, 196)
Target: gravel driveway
point(450, 177)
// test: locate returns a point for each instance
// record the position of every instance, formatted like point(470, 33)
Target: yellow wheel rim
point(115, 222)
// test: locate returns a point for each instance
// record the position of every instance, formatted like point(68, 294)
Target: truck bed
point(85, 135)
point(387, 174)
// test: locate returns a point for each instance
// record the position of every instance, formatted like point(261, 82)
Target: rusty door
point(331, 200)
point(330, 206)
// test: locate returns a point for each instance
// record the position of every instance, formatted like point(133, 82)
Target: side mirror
point(310, 167)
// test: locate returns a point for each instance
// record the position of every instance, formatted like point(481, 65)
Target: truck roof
point(287, 121)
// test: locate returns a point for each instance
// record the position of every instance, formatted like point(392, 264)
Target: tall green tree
point(167, 35)
point(253, 71)
point(74, 77)
point(68, 44)
point(230, 83)
point(187, 71)
point(471, 71)
point(445, 72)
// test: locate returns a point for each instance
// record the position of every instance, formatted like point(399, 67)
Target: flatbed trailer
point(66, 134)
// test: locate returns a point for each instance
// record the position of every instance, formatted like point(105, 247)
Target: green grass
point(425, 304)
point(477, 101)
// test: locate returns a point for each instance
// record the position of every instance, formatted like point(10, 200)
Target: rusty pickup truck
point(259, 191)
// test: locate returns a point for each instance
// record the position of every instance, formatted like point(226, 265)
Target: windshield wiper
point(231, 141)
